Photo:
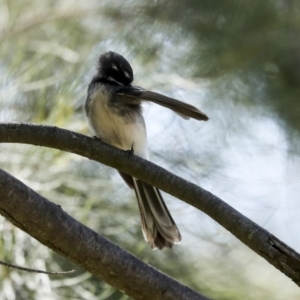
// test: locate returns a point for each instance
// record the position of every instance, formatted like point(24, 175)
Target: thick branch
point(49, 224)
point(259, 240)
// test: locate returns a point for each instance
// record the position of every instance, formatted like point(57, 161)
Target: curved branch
point(258, 239)
point(53, 227)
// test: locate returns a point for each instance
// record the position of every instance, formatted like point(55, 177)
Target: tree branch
point(258, 239)
point(53, 227)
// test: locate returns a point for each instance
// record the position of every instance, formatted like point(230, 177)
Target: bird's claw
point(131, 151)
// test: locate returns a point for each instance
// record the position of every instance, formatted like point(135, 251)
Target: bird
point(113, 109)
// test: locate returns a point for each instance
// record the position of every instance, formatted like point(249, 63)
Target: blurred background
point(238, 61)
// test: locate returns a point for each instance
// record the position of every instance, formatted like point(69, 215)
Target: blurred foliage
point(244, 54)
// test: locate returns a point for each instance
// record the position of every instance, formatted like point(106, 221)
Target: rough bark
point(258, 239)
point(49, 224)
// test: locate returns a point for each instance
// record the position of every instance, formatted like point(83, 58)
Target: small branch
point(29, 270)
point(50, 225)
point(259, 240)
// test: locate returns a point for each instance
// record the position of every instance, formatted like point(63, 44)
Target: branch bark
point(53, 227)
point(258, 239)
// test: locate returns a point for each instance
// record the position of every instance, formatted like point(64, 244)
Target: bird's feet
point(131, 151)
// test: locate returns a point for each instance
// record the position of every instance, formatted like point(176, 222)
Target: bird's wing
point(134, 95)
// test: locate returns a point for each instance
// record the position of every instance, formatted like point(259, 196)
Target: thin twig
point(34, 270)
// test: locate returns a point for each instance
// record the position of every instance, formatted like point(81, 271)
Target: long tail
point(158, 225)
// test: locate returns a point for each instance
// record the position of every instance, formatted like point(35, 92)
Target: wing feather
point(134, 95)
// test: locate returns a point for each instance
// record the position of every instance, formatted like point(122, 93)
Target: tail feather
point(158, 225)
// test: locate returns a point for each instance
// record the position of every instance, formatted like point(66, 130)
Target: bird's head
point(114, 67)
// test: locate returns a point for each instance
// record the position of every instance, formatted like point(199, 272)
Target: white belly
point(113, 128)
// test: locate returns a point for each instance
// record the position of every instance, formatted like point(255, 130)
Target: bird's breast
point(113, 126)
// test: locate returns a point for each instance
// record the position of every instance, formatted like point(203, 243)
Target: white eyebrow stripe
point(127, 74)
point(114, 67)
